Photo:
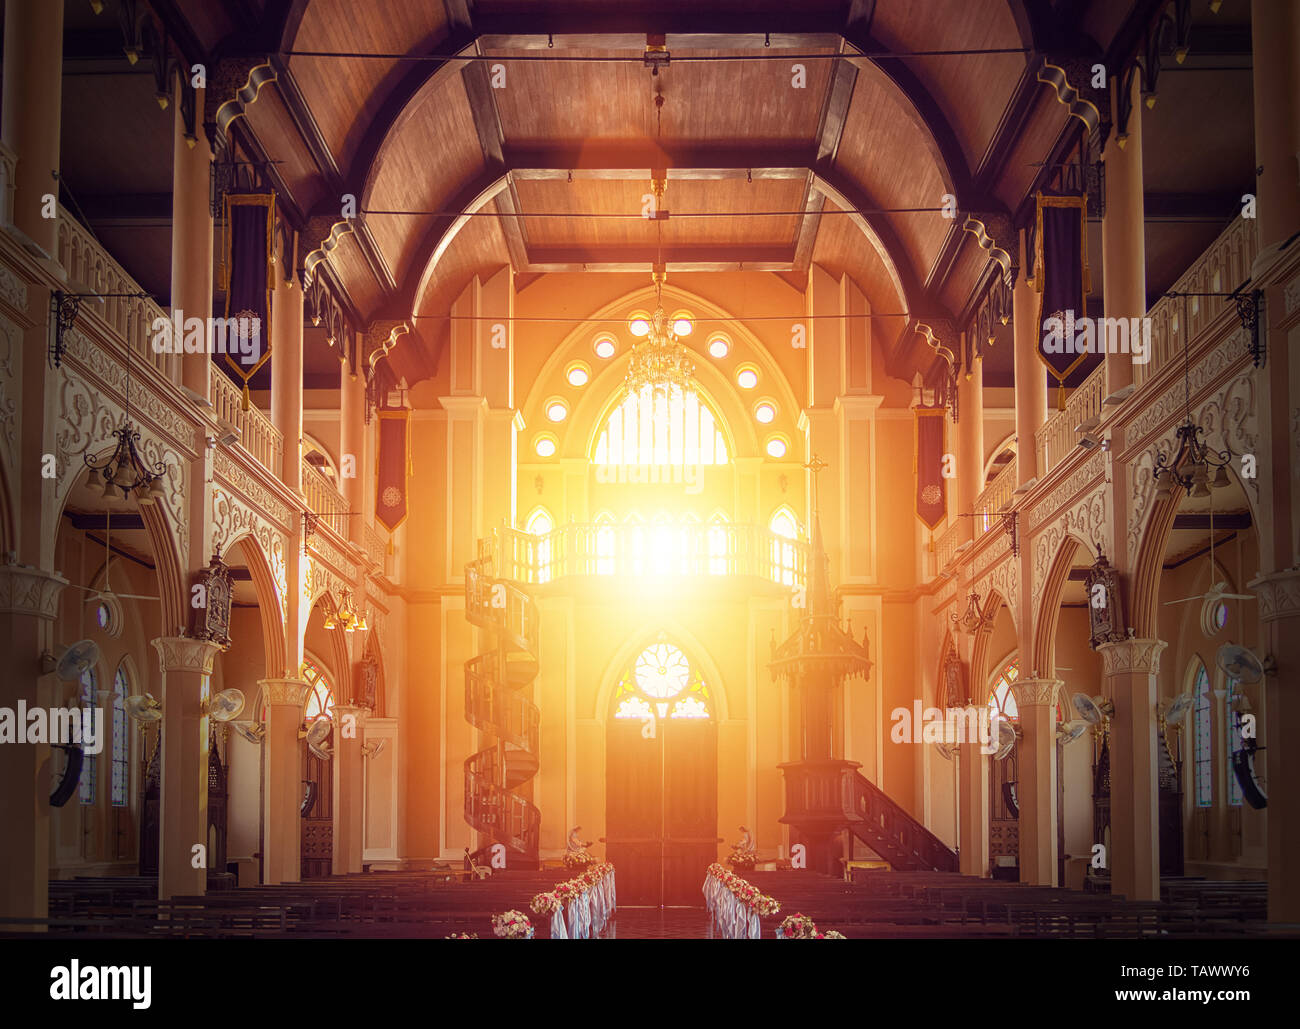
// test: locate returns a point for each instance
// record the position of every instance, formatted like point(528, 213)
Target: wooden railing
point(376, 547)
point(90, 269)
point(894, 834)
point(1056, 438)
point(256, 433)
point(323, 499)
point(650, 550)
point(946, 546)
point(995, 498)
point(1223, 267)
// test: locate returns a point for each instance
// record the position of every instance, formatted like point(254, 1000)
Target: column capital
point(1131, 655)
point(1037, 692)
point(25, 590)
point(284, 691)
point(1279, 594)
point(183, 654)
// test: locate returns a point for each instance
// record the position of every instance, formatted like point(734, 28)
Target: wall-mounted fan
point(373, 748)
point(1093, 710)
point(1240, 663)
point(1176, 708)
point(254, 732)
point(1007, 736)
point(71, 777)
point(226, 706)
point(143, 708)
point(317, 737)
point(76, 660)
point(1068, 732)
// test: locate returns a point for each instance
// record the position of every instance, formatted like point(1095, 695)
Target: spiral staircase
point(496, 704)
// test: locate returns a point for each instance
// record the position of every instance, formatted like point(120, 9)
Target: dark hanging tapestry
point(394, 464)
point(1061, 276)
point(247, 271)
point(931, 492)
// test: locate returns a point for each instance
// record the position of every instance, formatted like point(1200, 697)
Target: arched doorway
point(661, 781)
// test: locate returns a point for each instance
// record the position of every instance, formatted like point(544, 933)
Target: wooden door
point(318, 823)
point(661, 811)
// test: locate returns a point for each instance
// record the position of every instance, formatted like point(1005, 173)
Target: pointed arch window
point(1202, 739)
point(320, 695)
point(1002, 700)
point(541, 524)
point(716, 540)
point(89, 763)
point(661, 427)
point(121, 775)
point(784, 556)
point(605, 543)
point(662, 683)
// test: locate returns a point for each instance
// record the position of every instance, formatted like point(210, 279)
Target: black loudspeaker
point(1243, 766)
point(308, 798)
point(71, 775)
point(1009, 799)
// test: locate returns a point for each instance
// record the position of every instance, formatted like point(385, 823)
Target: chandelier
point(972, 618)
point(659, 360)
point(1191, 464)
point(346, 617)
point(122, 469)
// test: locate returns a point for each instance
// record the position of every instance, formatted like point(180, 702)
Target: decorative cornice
point(25, 590)
point(182, 654)
point(13, 290)
point(1279, 595)
point(1133, 656)
point(284, 691)
point(1037, 692)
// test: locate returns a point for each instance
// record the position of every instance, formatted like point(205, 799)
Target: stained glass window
point(1202, 746)
point(661, 683)
point(784, 560)
point(88, 768)
point(1233, 723)
point(654, 427)
point(1002, 701)
point(121, 739)
point(320, 697)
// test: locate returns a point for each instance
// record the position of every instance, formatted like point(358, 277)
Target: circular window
point(683, 323)
point(776, 447)
point(545, 446)
point(556, 410)
point(638, 323)
point(662, 671)
point(747, 377)
point(578, 374)
point(605, 347)
point(719, 347)
point(102, 615)
point(765, 412)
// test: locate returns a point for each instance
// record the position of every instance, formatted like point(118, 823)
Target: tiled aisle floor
point(659, 924)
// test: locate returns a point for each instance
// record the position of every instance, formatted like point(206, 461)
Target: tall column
point(1123, 228)
point(970, 443)
point(32, 111)
point(973, 805)
point(186, 670)
point(1274, 37)
point(1031, 377)
point(282, 786)
point(286, 374)
point(349, 788)
point(191, 244)
point(1036, 700)
point(29, 603)
point(1130, 668)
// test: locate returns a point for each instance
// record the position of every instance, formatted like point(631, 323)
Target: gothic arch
point(1049, 604)
point(268, 601)
point(678, 635)
point(979, 652)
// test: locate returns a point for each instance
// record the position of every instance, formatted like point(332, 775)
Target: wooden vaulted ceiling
point(455, 177)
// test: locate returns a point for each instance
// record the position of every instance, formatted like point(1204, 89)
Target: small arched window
point(784, 554)
point(662, 683)
point(1002, 700)
point(1202, 739)
point(719, 544)
point(320, 695)
point(541, 524)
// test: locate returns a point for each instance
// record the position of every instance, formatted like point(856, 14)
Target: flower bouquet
point(512, 925)
point(765, 905)
point(831, 935)
point(545, 904)
point(462, 936)
point(577, 859)
point(797, 927)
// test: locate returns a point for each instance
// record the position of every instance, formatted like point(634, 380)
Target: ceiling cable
point(639, 58)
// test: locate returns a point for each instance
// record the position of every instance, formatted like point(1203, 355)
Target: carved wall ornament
point(25, 590)
point(212, 618)
point(1105, 598)
point(284, 691)
point(1037, 692)
point(1279, 594)
point(184, 654)
point(1131, 656)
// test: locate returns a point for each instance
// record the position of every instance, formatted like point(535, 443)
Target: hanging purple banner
point(931, 491)
point(1061, 276)
point(244, 334)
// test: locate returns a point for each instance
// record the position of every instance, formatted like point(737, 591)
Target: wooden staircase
point(895, 835)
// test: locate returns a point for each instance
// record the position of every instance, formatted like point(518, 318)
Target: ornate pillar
point(352, 446)
point(1031, 378)
point(282, 784)
point(1279, 613)
point(186, 670)
point(1123, 229)
point(1036, 701)
point(349, 788)
point(29, 604)
point(32, 110)
point(970, 443)
point(1130, 668)
point(286, 373)
point(191, 241)
point(973, 803)
point(1275, 33)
